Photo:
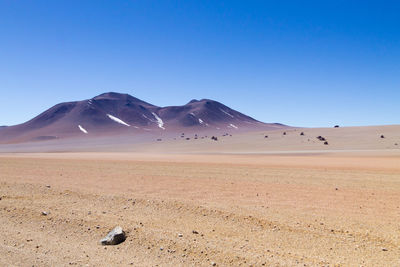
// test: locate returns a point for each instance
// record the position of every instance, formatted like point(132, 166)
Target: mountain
point(116, 114)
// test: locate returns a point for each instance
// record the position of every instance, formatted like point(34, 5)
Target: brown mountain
point(116, 114)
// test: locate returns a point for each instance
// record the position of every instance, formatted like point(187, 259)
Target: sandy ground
point(288, 209)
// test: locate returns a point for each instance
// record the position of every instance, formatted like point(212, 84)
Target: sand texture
point(293, 209)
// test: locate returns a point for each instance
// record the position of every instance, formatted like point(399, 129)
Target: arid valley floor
point(304, 207)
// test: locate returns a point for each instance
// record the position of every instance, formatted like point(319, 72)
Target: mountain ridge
point(114, 113)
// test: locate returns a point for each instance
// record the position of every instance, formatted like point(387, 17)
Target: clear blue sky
point(302, 63)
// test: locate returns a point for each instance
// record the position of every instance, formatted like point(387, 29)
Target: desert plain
point(245, 200)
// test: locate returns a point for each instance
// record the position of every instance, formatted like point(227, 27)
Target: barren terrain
point(229, 142)
point(288, 209)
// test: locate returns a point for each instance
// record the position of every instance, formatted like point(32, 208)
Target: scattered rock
point(213, 264)
point(195, 232)
point(266, 136)
point(284, 133)
point(180, 235)
point(326, 143)
point(45, 213)
point(384, 249)
point(382, 136)
point(114, 237)
point(48, 186)
point(161, 248)
point(302, 133)
point(336, 189)
point(336, 126)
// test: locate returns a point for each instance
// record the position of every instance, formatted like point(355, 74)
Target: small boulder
point(115, 237)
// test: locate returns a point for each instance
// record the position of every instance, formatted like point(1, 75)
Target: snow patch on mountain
point(117, 120)
point(82, 129)
point(233, 126)
point(159, 121)
point(227, 113)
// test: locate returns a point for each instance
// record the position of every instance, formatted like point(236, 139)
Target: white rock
point(115, 237)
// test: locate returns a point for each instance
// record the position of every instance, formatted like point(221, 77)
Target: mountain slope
point(116, 114)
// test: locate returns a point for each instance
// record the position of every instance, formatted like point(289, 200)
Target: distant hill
point(115, 114)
